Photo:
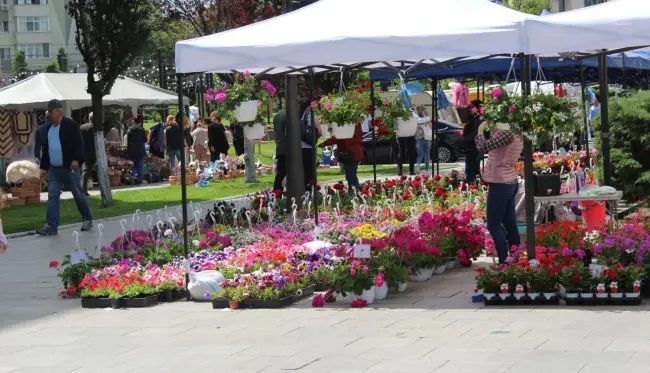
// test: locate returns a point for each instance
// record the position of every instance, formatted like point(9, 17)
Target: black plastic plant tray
point(143, 302)
point(95, 303)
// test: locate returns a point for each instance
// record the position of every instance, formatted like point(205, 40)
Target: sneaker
point(47, 231)
point(87, 226)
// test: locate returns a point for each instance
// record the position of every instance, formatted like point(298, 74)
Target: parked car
point(448, 150)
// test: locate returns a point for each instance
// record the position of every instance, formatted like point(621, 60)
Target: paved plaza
point(432, 327)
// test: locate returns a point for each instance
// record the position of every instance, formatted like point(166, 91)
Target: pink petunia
point(496, 93)
point(481, 111)
point(511, 108)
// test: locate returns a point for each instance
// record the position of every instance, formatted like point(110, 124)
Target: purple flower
point(246, 73)
point(580, 254)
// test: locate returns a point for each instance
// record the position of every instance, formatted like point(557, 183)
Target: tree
point(535, 7)
point(52, 67)
point(20, 65)
point(109, 36)
point(62, 59)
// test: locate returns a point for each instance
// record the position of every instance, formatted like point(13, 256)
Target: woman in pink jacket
point(503, 148)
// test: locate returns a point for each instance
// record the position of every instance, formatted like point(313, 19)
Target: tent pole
point(525, 75)
point(179, 88)
point(585, 111)
point(314, 188)
point(374, 137)
point(295, 175)
point(434, 108)
point(604, 118)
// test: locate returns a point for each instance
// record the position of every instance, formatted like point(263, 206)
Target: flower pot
point(518, 296)
point(325, 129)
point(489, 296)
point(421, 275)
point(116, 303)
point(504, 296)
point(233, 305)
point(246, 111)
point(451, 264)
point(633, 295)
point(254, 132)
point(549, 296)
point(587, 295)
point(407, 128)
point(572, 295)
point(381, 291)
point(616, 295)
point(440, 270)
point(344, 131)
point(367, 295)
point(533, 296)
point(602, 295)
point(402, 287)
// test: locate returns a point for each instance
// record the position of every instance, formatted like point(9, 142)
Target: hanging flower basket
point(246, 111)
point(254, 132)
point(407, 128)
point(344, 131)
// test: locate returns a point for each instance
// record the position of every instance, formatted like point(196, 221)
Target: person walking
point(308, 119)
point(407, 152)
point(350, 154)
point(90, 158)
point(200, 141)
point(62, 156)
point(238, 138)
point(468, 142)
point(174, 141)
point(217, 141)
point(423, 138)
point(503, 148)
point(156, 140)
point(280, 128)
point(136, 139)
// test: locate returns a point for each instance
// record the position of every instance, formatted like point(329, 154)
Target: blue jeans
point(57, 178)
point(424, 152)
point(351, 174)
point(138, 167)
point(502, 219)
point(173, 155)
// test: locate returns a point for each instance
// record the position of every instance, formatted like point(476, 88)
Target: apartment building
point(39, 28)
point(566, 5)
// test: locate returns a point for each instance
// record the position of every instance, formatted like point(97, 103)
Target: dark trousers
point(351, 174)
point(502, 218)
point(239, 146)
point(308, 166)
point(57, 178)
point(157, 153)
point(214, 156)
point(87, 174)
point(407, 152)
point(138, 168)
point(471, 166)
point(281, 172)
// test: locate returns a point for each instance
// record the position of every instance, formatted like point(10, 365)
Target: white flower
point(195, 242)
point(168, 232)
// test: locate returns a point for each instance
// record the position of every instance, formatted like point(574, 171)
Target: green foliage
point(576, 278)
point(342, 279)
point(72, 274)
point(52, 67)
point(629, 121)
point(20, 65)
point(489, 280)
point(528, 6)
point(62, 59)
point(393, 112)
point(243, 90)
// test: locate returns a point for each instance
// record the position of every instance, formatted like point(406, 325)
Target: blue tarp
point(499, 66)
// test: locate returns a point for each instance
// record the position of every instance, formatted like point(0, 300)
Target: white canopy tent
point(70, 89)
point(611, 25)
point(347, 32)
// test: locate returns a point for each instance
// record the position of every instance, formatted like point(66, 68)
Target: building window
point(594, 2)
point(30, 2)
point(4, 4)
point(33, 24)
point(5, 54)
point(35, 51)
point(4, 26)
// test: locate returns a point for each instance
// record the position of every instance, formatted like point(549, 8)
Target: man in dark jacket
point(136, 138)
point(217, 140)
point(468, 145)
point(90, 158)
point(279, 126)
point(62, 157)
point(237, 138)
point(157, 140)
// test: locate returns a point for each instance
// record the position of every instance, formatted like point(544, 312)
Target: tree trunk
point(249, 149)
point(100, 151)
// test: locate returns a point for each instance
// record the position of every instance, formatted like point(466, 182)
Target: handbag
point(345, 157)
point(307, 129)
point(547, 185)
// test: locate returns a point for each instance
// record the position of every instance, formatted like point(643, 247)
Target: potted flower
point(216, 100)
point(234, 295)
point(240, 98)
point(576, 279)
point(489, 281)
point(255, 130)
point(631, 277)
point(396, 117)
point(543, 281)
point(353, 278)
point(343, 112)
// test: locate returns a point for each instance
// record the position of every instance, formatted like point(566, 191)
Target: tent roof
point(611, 25)
point(36, 91)
point(474, 67)
point(346, 32)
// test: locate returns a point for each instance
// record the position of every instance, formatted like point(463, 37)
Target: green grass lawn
point(25, 218)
